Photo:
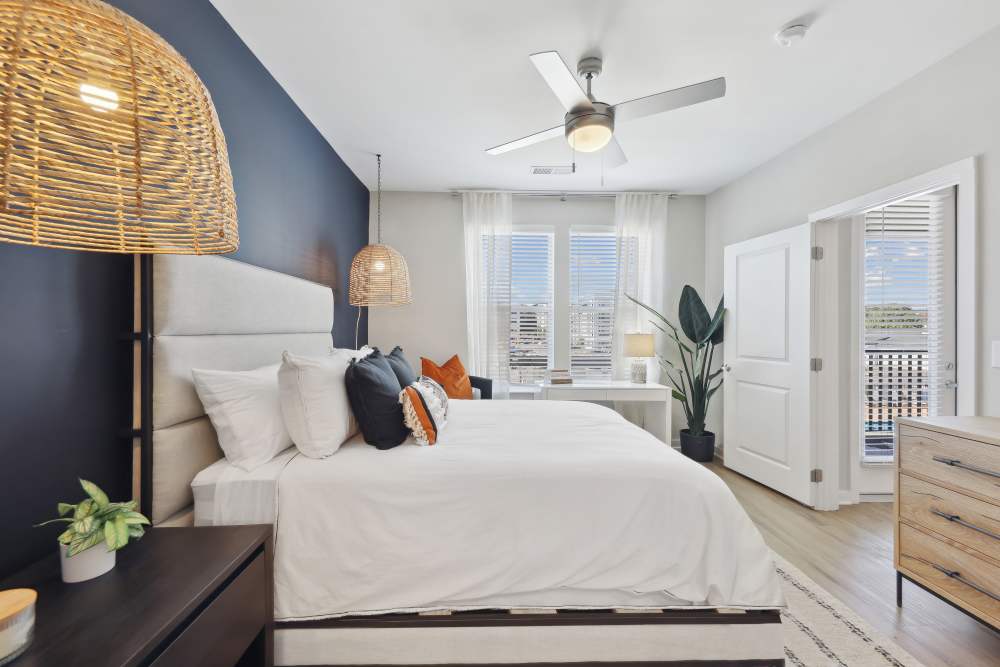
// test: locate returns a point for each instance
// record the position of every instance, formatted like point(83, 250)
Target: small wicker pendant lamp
point(109, 141)
point(379, 275)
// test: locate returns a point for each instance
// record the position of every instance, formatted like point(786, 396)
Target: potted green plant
point(694, 382)
point(94, 521)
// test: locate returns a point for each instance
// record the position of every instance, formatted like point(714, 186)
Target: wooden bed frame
point(497, 637)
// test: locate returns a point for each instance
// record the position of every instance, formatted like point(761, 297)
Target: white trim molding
point(963, 174)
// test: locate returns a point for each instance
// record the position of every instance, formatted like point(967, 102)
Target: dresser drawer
point(970, 466)
point(974, 583)
point(222, 631)
point(962, 518)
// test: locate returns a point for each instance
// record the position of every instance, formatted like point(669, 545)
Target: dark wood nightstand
point(178, 596)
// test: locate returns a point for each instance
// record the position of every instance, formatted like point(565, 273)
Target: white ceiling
point(432, 83)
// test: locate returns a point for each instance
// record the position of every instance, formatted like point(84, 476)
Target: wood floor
point(849, 553)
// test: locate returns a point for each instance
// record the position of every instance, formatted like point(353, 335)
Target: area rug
point(820, 630)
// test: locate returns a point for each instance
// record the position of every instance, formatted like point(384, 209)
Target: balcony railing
point(895, 385)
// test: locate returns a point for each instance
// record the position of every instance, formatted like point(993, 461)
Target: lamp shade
point(379, 277)
point(109, 141)
point(639, 345)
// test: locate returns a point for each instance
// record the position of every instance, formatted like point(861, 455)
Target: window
point(908, 316)
point(531, 321)
point(576, 267)
point(593, 279)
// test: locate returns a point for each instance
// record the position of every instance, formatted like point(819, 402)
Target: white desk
point(655, 397)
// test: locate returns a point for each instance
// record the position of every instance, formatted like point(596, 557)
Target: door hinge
point(817, 252)
point(815, 475)
point(815, 364)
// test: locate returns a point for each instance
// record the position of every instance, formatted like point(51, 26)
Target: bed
point(531, 533)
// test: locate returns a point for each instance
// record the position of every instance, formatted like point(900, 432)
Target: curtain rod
point(563, 194)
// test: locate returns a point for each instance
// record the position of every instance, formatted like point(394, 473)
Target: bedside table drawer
point(222, 631)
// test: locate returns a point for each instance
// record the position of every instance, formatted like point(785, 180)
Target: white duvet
point(519, 504)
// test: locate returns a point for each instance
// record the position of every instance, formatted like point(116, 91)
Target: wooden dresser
point(948, 511)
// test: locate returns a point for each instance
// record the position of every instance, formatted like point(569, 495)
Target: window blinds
point(593, 261)
point(531, 317)
point(908, 314)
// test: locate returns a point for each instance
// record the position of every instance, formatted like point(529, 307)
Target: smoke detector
point(556, 170)
point(791, 35)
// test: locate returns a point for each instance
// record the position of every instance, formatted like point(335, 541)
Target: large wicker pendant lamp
point(108, 139)
point(379, 275)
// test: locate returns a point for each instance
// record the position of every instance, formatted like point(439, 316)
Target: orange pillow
point(452, 376)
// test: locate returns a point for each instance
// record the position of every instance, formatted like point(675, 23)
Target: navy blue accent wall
point(65, 378)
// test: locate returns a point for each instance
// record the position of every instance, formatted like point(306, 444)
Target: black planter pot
point(698, 447)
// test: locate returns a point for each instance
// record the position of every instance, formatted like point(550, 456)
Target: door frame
point(826, 341)
point(963, 174)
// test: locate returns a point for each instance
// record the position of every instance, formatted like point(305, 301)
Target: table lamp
point(639, 346)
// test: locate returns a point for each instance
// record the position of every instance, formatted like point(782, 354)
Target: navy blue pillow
point(373, 391)
point(401, 367)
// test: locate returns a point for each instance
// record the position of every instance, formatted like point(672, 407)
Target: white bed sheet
point(225, 495)
point(520, 504)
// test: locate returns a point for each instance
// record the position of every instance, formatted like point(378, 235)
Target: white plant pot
point(85, 565)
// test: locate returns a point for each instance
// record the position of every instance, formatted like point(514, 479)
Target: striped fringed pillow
point(425, 407)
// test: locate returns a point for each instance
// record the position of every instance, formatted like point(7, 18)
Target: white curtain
point(488, 227)
point(641, 228)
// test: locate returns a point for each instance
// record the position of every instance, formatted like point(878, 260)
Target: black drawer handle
point(957, 576)
point(954, 518)
point(966, 466)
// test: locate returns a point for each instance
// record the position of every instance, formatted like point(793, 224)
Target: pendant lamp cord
point(357, 327)
point(378, 235)
point(378, 201)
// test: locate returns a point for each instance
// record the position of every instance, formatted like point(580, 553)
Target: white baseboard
point(875, 498)
point(847, 497)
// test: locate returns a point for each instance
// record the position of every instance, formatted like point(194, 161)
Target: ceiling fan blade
point(614, 156)
point(671, 99)
point(523, 142)
point(561, 80)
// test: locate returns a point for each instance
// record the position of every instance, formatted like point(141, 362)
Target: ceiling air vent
point(560, 170)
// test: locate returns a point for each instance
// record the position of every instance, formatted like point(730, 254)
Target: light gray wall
point(944, 114)
point(426, 227)
point(686, 266)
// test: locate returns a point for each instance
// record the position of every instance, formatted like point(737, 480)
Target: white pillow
point(245, 410)
point(314, 400)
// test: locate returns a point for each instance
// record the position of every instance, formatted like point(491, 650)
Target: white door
point(767, 392)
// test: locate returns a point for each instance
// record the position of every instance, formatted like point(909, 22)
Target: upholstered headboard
point(217, 313)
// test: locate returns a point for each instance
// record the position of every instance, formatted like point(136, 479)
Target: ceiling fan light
point(590, 131)
point(589, 138)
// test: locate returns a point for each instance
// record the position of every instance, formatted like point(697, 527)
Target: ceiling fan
point(589, 124)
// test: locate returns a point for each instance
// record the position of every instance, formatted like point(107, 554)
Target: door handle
point(950, 384)
point(727, 367)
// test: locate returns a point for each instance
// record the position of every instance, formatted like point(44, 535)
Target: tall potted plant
point(694, 382)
